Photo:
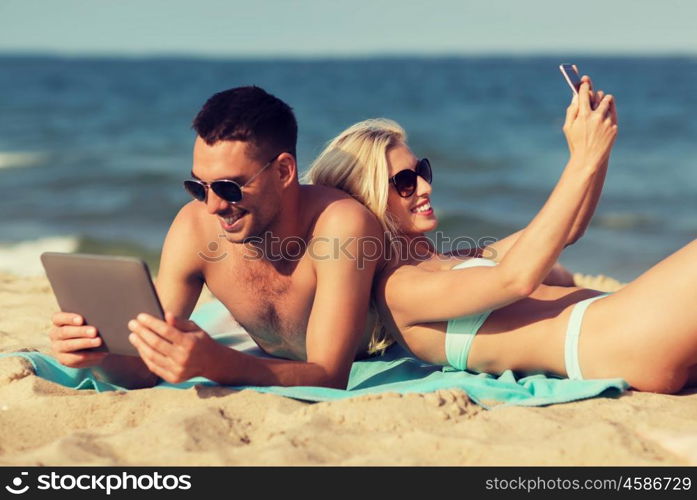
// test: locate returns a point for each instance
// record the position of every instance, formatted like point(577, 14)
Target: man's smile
point(230, 221)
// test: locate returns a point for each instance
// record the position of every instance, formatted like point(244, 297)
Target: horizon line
point(340, 55)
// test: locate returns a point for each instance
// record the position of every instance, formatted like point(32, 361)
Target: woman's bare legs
point(692, 377)
point(646, 332)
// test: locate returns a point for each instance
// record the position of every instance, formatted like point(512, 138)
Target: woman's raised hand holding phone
point(590, 130)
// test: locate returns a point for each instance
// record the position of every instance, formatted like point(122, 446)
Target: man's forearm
point(126, 371)
point(236, 368)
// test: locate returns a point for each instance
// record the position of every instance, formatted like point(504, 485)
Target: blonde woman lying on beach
point(493, 314)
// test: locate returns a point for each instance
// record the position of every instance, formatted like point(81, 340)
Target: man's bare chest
point(272, 302)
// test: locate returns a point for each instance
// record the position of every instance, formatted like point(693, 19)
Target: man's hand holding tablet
point(98, 295)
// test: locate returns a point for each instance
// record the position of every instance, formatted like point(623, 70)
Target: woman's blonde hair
point(356, 162)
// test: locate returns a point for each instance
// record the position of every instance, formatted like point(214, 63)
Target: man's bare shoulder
point(188, 232)
point(343, 219)
point(193, 219)
point(340, 214)
point(322, 196)
point(189, 213)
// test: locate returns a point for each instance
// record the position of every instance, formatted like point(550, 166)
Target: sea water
point(93, 151)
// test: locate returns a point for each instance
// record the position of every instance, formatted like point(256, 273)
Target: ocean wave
point(20, 159)
point(23, 258)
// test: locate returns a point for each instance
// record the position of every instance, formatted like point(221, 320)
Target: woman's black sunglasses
point(227, 189)
point(405, 180)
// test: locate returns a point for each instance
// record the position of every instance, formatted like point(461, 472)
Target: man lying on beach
point(293, 268)
point(305, 303)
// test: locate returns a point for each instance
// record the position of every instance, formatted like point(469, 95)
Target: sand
point(42, 423)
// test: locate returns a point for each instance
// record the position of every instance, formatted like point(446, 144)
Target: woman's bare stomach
point(512, 336)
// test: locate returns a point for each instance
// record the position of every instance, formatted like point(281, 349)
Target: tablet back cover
point(107, 291)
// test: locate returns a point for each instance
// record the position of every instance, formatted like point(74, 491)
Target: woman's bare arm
point(419, 296)
point(498, 249)
point(558, 275)
point(591, 201)
point(495, 251)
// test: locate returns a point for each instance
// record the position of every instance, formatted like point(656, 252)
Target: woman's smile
point(423, 208)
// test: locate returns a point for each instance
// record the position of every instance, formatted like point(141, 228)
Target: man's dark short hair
point(252, 115)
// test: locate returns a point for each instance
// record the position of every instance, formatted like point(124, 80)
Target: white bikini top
point(474, 262)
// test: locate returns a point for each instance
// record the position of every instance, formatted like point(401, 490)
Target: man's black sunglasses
point(227, 189)
point(405, 180)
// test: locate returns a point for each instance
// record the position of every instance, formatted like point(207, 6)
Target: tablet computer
point(106, 291)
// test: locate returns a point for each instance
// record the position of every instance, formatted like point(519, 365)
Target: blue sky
point(276, 28)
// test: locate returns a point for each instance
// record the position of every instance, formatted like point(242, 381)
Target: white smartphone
point(571, 76)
